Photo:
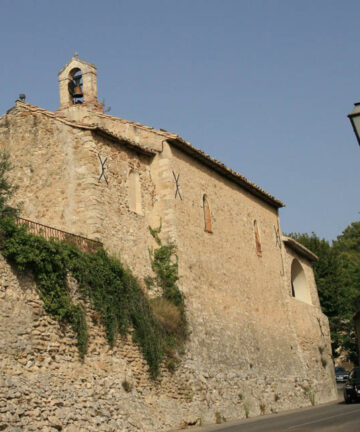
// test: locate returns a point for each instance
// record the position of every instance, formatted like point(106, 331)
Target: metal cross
point(177, 185)
point(103, 168)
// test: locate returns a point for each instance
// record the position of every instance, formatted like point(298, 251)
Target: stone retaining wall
point(45, 387)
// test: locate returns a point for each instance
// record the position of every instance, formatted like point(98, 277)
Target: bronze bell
point(77, 91)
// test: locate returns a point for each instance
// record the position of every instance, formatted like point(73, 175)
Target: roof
point(94, 128)
point(187, 147)
point(222, 169)
point(172, 139)
point(299, 248)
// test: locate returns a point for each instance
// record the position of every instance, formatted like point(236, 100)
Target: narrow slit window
point(207, 215)
point(257, 239)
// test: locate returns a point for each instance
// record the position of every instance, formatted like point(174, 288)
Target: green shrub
point(127, 386)
point(159, 327)
point(113, 291)
point(169, 308)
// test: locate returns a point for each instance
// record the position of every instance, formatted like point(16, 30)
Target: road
point(335, 417)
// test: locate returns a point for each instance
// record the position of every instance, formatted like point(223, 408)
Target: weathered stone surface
point(253, 348)
point(59, 391)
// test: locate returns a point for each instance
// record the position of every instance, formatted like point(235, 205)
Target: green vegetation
point(112, 290)
point(126, 385)
point(337, 274)
point(219, 418)
point(158, 327)
point(169, 308)
point(262, 408)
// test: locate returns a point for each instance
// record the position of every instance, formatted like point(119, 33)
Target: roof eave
point(96, 129)
point(184, 146)
point(128, 143)
point(299, 248)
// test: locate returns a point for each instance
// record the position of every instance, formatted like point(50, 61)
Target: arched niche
point(299, 285)
point(135, 203)
point(75, 86)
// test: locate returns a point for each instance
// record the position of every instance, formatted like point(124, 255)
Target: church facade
point(259, 341)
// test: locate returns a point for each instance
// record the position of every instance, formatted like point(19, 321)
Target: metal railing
point(83, 243)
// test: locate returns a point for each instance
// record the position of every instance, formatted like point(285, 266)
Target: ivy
point(158, 327)
point(169, 308)
point(112, 290)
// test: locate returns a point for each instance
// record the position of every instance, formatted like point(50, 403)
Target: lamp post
point(355, 120)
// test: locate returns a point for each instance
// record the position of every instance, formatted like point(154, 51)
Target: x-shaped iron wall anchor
point(177, 192)
point(102, 162)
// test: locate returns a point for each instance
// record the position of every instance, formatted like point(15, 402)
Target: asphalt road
point(329, 418)
point(335, 417)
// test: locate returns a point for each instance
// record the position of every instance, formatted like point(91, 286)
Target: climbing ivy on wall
point(169, 307)
point(113, 291)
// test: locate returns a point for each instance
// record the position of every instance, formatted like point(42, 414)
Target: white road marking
point(326, 418)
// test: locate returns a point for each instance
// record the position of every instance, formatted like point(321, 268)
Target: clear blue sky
point(264, 86)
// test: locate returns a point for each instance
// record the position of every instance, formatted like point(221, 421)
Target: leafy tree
point(337, 275)
point(348, 246)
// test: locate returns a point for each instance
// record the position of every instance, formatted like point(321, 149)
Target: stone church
point(259, 342)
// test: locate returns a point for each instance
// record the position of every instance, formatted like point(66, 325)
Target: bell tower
point(78, 87)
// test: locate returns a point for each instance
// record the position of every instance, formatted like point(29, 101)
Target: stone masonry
point(258, 342)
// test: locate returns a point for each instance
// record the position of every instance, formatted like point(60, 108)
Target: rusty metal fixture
point(77, 92)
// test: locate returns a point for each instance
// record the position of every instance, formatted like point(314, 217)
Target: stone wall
point(252, 347)
point(240, 303)
point(44, 386)
point(57, 169)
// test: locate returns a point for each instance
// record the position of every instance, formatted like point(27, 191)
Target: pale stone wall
point(239, 301)
point(311, 328)
point(44, 386)
point(57, 169)
point(252, 347)
point(290, 255)
point(138, 133)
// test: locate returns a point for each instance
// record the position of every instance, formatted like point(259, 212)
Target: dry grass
point(167, 314)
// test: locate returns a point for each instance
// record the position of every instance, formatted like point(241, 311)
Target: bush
point(114, 293)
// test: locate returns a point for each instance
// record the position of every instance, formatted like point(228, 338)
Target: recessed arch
point(207, 214)
point(76, 86)
point(299, 286)
point(135, 201)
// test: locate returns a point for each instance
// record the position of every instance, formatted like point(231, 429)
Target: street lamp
point(355, 120)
